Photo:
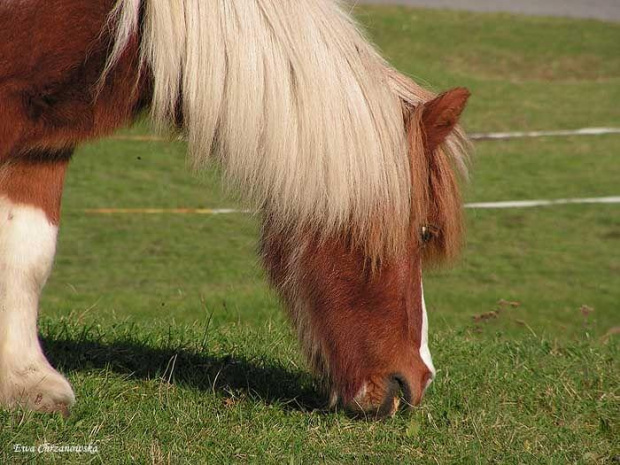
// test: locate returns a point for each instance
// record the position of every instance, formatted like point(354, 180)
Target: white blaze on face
point(425, 352)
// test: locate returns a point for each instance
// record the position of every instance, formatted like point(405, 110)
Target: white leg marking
point(27, 248)
point(425, 352)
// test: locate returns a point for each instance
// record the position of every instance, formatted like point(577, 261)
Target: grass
point(238, 393)
point(526, 73)
point(179, 352)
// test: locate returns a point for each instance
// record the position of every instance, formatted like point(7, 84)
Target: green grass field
point(180, 353)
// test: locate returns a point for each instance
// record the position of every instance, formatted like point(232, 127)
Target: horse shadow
point(227, 376)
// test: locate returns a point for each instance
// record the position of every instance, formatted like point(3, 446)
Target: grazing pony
point(351, 164)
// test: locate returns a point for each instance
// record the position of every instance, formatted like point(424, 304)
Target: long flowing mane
point(302, 113)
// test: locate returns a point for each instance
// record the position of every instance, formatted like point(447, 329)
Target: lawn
point(180, 353)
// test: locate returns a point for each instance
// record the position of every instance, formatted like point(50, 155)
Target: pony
point(353, 166)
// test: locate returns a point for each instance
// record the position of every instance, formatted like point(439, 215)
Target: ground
point(179, 352)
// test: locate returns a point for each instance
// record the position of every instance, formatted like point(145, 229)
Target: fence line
point(487, 136)
point(473, 206)
point(475, 136)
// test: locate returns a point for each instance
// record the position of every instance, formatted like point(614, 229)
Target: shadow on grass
point(262, 380)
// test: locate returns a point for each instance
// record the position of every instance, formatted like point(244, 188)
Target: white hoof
point(36, 387)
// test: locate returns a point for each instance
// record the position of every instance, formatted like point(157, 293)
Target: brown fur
point(36, 180)
point(52, 55)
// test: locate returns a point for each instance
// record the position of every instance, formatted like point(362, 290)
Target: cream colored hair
point(302, 113)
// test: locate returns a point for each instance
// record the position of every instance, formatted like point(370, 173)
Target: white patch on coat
point(27, 248)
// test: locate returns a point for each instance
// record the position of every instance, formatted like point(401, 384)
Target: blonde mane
point(303, 115)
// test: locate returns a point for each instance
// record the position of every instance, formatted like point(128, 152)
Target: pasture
point(180, 353)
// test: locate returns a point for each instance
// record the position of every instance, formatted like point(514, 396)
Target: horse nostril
point(381, 397)
point(391, 399)
point(404, 388)
point(397, 388)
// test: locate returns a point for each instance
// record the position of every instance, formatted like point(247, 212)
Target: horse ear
point(440, 115)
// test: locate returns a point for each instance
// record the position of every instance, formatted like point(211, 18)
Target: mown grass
point(179, 352)
point(239, 393)
point(527, 73)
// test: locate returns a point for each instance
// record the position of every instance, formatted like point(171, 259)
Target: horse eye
point(428, 233)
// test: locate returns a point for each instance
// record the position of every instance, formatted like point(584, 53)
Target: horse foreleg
point(30, 194)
